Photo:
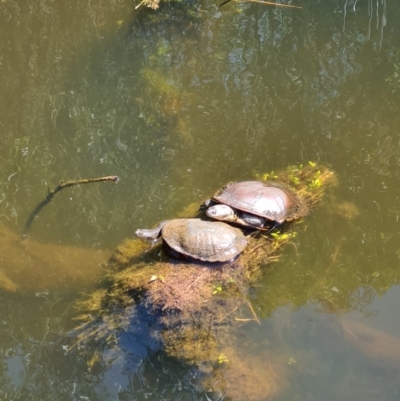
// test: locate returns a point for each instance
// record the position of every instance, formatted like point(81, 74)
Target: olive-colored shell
point(271, 200)
point(209, 241)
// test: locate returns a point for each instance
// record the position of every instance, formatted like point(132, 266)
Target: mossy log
point(197, 304)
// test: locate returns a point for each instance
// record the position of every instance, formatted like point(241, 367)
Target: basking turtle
point(208, 241)
point(256, 204)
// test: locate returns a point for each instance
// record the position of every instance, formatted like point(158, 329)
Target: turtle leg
point(252, 220)
point(276, 224)
point(205, 205)
point(153, 243)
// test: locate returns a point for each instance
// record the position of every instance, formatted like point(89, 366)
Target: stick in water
point(264, 2)
point(50, 195)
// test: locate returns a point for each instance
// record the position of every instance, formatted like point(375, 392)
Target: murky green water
point(177, 102)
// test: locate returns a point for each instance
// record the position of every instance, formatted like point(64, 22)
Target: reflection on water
point(177, 102)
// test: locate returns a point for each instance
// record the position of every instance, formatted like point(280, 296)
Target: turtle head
point(151, 234)
point(144, 233)
point(221, 212)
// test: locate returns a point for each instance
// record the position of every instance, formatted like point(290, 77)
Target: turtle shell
point(209, 241)
point(271, 200)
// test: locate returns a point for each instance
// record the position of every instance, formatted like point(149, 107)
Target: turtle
point(256, 204)
point(208, 241)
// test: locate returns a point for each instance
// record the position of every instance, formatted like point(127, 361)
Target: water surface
point(177, 102)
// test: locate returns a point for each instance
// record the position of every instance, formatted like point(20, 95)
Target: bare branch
point(50, 195)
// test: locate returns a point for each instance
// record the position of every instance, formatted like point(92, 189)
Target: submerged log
point(374, 343)
point(35, 267)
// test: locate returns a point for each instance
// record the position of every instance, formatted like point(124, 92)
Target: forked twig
point(50, 195)
point(253, 312)
point(273, 4)
point(264, 2)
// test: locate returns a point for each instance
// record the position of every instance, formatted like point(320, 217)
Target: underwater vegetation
point(165, 103)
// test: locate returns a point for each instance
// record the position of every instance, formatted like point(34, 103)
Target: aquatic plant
point(165, 101)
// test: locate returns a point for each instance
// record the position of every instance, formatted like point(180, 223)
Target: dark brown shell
point(271, 200)
point(209, 241)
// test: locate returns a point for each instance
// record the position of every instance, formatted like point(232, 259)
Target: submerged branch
point(50, 195)
point(253, 312)
point(139, 4)
point(273, 4)
point(264, 2)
